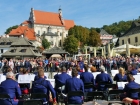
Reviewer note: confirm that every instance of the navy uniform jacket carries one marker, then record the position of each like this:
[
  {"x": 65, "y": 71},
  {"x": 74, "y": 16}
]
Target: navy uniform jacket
[
  {"x": 74, "y": 84},
  {"x": 131, "y": 85},
  {"x": 103, "y": 77},
  {"x": 43, "y": 86},
  {"x": 133, "y": 72},
  {"x": 87, "y": 77},
  {"x": 36, "y": 77},
  {"x": 60, "y": 79},
  {"x": 11, "y": 87},
  {"x": 118, "y": 77}
]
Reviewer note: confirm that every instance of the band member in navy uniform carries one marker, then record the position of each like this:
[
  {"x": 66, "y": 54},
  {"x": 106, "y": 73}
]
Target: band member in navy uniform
[{"x": 12, "y": 88}]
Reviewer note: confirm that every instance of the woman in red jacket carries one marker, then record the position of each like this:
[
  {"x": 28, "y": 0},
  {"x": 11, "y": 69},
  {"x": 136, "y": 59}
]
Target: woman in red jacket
[{"x": 132, "y": 101}]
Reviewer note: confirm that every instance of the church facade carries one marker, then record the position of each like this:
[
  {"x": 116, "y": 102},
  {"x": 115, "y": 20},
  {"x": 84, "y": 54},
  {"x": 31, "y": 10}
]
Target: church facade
[{"x": 49, "y": 25}]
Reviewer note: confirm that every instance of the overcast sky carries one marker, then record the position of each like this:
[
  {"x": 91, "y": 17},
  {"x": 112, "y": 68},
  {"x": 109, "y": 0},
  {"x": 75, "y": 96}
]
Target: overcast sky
[{"x": 88, "y": 13}]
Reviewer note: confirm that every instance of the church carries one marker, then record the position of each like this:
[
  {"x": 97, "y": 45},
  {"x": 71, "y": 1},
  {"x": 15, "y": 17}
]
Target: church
[{"x": 49, "y": 25}]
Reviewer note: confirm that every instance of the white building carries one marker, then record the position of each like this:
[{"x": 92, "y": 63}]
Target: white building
[
  {"x": 50, "y": 25},
  {"x": 105, "y": 37}
]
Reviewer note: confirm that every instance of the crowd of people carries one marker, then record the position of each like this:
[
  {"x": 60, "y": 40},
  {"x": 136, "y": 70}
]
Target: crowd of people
[{"x": 69, "y": 70}]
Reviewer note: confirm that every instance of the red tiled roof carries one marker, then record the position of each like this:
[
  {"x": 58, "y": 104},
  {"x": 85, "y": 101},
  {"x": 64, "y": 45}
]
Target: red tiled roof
[
  {"x": 26, "y": 22},
  {"x": 69, "y": 24},
  {"x": 23, "y": 30},
  {"x": 50, "y": 18}
]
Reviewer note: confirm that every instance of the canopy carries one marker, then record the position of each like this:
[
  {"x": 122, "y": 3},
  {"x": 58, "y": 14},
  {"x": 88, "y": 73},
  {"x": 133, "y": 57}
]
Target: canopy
[
  {"x": 124, "y": 47},
  {"x": 56, "y": 56}
]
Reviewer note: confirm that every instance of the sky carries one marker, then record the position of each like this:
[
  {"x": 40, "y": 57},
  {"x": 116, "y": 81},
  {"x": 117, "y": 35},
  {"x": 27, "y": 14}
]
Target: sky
[{"x": 87, "y": 13}]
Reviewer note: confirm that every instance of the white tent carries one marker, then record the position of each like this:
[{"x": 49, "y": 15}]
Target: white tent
[{"x": 124, "y": 47}]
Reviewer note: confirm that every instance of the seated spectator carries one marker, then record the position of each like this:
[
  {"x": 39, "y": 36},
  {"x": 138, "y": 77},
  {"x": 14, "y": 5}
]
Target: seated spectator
[
  {"x": 120, "y": 76},
  {"x": 131, "y": 85},
  {"x": 8, "y": 70},
  {"x": 25, "y": 87},
  {"x": 87, "y": 77},
  {"x": 10, "y": 87},
  {"x": 40, "y": 85},
  {"x": 133, "y": 70},
  {"x": 20, "y": 73},
  {"x": 74, "y": 84},
  {"x": 103, "y": 77}
]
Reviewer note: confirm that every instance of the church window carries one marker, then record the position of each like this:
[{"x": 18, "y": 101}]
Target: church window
[
  {"x": 122, "y": 42},
  {"x": 129, "y": 40},
  {"x": 38, "y": 32},
  {"x": 49, "y": 29},
  {"x": 60, "y": 34},
  {"x": 136, "y": 39}
]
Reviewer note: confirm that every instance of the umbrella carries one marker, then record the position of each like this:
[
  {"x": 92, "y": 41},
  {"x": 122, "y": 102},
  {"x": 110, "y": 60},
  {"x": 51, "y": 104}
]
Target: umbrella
[
  {"x": 124, "y": 47},
  {"x": 127, "y": 49}
]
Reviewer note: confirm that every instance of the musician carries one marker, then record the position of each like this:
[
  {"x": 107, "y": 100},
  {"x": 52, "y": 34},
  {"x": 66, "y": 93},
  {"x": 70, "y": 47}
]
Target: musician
[
  {"x": 10, "y": 87},
  {"x": 40, "y": 85}
]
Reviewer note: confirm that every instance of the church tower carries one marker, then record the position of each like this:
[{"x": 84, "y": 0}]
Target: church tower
[{"x": 60, "y": 16}]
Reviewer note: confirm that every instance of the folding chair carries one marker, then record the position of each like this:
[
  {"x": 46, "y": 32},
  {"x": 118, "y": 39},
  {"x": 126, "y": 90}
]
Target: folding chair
[
  {"x": 33, "y": 102},
  {"x": 87, "y": 86},
  {"x": 114, "y": 96},
  {"x": 74, "y": 93},
  {"x": 135, "y": 91},
  {"x": 96, "y": 95},
  {"x": 38, "y": 96},
  {"x": 59, "y": 95},
  {"x": 5, "y": 96}
]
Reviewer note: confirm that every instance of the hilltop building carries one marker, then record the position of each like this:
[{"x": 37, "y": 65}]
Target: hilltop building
[
  {"x": 132, "y": 35},
  {"x": 105, "y": 37},
  {"x": 49, "y": 25}
]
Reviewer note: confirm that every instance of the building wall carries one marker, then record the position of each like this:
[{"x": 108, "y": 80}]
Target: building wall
[
  {"x": 61, "y": 31},
  {"x": 131, "y": 38},
  {"x": 4, "y": 50}
]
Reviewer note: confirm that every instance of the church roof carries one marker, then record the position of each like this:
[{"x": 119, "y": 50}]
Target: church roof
[
  {"x": 134, "y": 29},
  {"x": 55, "y": 50},
  {"x": 103, "y": 32},
  {"x": 50, "y": 18},
  {"x": 25, "y": 31}
]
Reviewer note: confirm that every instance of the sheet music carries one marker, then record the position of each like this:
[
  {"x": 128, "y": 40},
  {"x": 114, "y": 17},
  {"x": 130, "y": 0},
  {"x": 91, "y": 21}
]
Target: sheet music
[
  {"x": 52, "y": 81},
  {"x": 2, "y": 78},
  {"x": 137, "y": 78},
  {"x": 114, "y": 72},
  {"x": 46, "y": 74},
  {"x": 26, "y": 78},
  {"x": 121, "y": 85}
]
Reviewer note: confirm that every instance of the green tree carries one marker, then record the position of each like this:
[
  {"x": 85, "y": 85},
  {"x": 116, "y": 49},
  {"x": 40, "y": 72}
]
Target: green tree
[
  {"x": 45, "y": 43},
  {"x": 71, "y": 44},
  {"x": 10, "y": 29},
  {"x": 81, "y": 33},
  {"x": 94, "y": 38}
]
